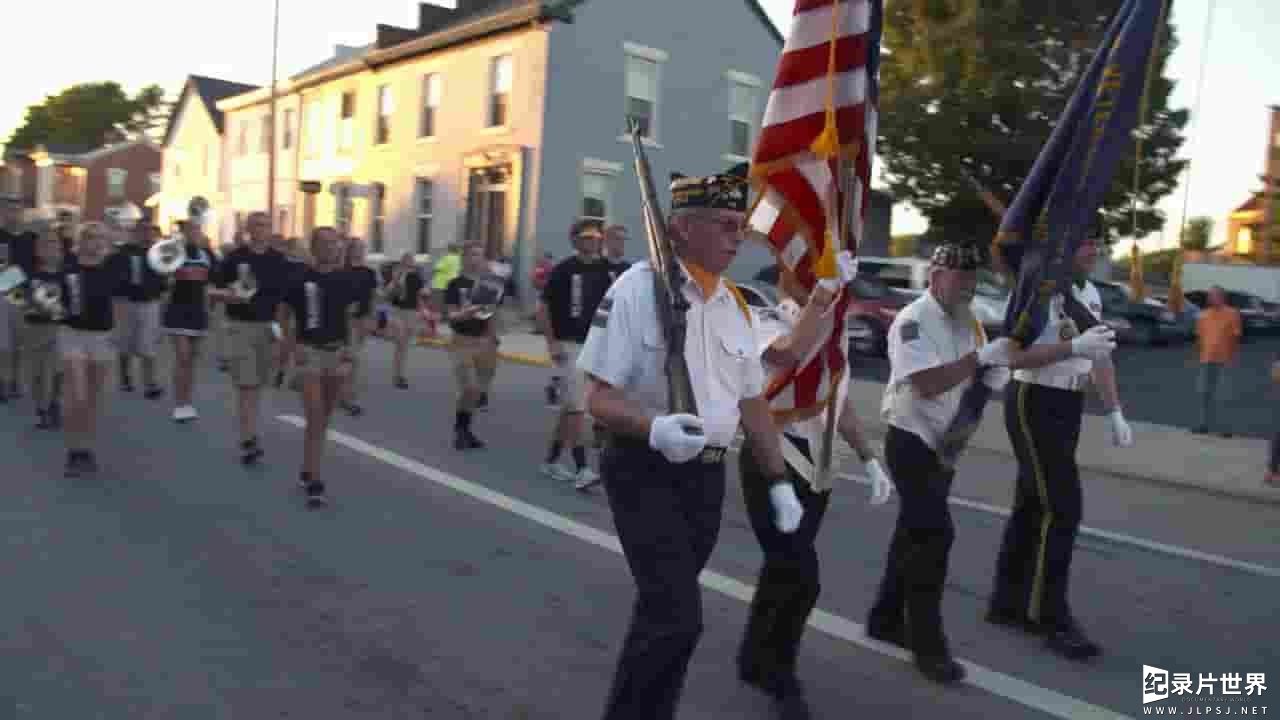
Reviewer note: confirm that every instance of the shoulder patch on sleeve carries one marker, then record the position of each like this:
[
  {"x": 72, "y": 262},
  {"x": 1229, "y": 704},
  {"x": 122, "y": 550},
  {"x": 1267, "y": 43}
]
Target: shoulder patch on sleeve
[{"x": 909, "y": 330}]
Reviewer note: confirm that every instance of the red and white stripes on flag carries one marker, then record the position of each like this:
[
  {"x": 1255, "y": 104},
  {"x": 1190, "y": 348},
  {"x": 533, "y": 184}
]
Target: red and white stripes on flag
[{"x": 801, "y": 188}]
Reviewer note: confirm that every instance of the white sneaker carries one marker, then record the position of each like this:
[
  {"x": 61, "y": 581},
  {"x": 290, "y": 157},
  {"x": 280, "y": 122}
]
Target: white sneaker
[
  {"x": 556, "y": 471},
  {"x": 586, "y": 479},
  {"x": 185, "y": 413}
]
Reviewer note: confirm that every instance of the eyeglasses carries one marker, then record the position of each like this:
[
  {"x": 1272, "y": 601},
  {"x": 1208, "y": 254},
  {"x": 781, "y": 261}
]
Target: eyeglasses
[{"x": 723, "y": 224}]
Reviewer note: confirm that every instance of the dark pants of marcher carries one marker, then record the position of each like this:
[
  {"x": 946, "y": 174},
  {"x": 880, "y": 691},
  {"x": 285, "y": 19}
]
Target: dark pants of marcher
[
  {"x": 1274, "y": 464},
  {"x": 916, "y": 569},
  {"x": 1210, "y": 381},
  {"x": 789, "y": 583},
  {"x": 667, "y": 517},
  {"x": 1040, "y": 537}
]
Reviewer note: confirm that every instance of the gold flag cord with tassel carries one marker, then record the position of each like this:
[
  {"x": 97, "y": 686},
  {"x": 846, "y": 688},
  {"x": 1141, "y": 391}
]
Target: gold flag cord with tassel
[{"x": 1136, "y": 284}]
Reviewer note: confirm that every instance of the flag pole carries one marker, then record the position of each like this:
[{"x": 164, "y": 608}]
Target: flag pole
[{"x": 271, "y": 136}]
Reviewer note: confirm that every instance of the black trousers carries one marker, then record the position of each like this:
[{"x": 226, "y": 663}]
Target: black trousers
[
  {"x": 668, "y": 519},
  {"x": 788, "y": 587},
  {"x": 916, "y": 568},
  {"x": 1040, "y": 537}
]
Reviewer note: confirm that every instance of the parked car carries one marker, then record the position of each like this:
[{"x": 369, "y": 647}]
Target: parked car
[
  {"x": 911, "y": 275},
  {"x": 1254, "y": 313},
  {"x": 1143, "y": 323},
  {"x": 873, "y": 307}
]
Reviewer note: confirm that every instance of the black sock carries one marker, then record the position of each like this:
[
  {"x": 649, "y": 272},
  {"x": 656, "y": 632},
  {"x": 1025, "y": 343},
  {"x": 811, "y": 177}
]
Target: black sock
[
  {"x": 304, "y": 477},
  {"x": 462, "y": 421},
  {"x": 554, "y": 453},
  {"x": 580, "y": 457}
]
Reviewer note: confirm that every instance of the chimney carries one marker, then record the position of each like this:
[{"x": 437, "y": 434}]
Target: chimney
[{"x": 431, "y": 17}]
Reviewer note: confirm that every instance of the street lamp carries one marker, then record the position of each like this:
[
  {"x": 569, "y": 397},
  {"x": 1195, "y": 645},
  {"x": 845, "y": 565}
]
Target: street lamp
[{"x": 271, "y": 150}]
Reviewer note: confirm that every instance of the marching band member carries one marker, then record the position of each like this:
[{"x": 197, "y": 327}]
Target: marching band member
[
  {"x": 365, "y": 280},
  {"x": 1043, "y": 407},
  {"x": 935, "y": 350},
  {"x": 474, "y": 348},
  {"x": 317, "y": 329},
  {"x": 89, "y": 284},
  {"x": 788, "y": 585},
  {"x": 139, "y": 298},
  {"x": 187, "y": 317},
  {"x": 43, "y": 359},
  {"x": 404, "y": 291},
  {"x": 16, "y": 248},
  {"x": 664, "y": 474},
  {"x": 251, "y": 280},
  {"x": 569, "y": 301}
]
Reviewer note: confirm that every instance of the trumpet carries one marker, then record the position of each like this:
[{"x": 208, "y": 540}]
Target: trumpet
[
  {"x": 166, "y": 256},
  {"x": 245, "y": 286},
  {"x": 487, "y": 295},
  {"x": 12, "y": 279}
]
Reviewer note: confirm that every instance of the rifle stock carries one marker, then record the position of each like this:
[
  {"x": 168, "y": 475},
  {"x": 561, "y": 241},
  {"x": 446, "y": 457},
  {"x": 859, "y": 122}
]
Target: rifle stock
[{"x": 670, "y": 302}]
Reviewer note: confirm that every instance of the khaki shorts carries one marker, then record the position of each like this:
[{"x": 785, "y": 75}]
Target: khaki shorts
[
  {"x": 407, "y": 319},
  {"x": 574, "y": 390},
  {"x": 139, "y": 333},
  {"x": 317, "y": 361},
  {"x": 248, "y": 350},
  {"x": 43, "y": 360},
  {"x": 475, "y": 361},
  {"x": 97, "y": 346}
]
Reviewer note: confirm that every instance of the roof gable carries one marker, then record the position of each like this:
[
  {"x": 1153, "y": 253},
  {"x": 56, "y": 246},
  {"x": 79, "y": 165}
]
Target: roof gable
[
  {"x": 764, "y": 18},
  {"x": 209, "y": 91}
]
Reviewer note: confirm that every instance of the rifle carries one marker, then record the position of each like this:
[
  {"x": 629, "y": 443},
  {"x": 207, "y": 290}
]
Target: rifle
[{"x": 670, "y": 302}]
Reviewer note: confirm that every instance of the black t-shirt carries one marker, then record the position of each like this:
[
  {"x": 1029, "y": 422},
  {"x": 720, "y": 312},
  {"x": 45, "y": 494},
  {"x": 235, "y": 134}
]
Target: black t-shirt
[
  {"x": 87, "y": 294},
  {"x": 273, "y": 274},
  {"x": 459, "y": 293},
  {"x": 321, "y": 304},
  {"x": 141, "y": 284},
  {"x": 412, "y": 286},
  {"x": 36, "y": 280},
  {"x": 365, "y": 281},
  {"x": 572, "y": 293},
  {"x": 617, "y": 267},
  {"x": 18, "y": 249}
]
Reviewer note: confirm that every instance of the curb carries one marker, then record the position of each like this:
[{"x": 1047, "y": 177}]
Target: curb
[{"x": 874, "y": 425}]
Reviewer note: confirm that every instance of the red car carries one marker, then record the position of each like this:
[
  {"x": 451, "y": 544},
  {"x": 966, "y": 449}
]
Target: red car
[{"x": 873, "y": 309}]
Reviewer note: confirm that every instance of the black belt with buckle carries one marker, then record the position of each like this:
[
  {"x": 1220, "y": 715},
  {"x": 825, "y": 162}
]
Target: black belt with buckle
[{"x": 711, "y": 455}]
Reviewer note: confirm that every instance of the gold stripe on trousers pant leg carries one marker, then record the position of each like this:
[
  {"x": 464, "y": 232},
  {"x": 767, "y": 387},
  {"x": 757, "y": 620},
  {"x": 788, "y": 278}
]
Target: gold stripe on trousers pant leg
[{"x": 1037, "y": 583}]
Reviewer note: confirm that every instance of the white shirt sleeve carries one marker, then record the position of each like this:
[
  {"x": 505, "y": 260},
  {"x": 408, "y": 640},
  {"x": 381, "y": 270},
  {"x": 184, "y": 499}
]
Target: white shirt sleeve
[
  {"x": 910, "y": 349},
  {"x": 611, "y": 349},
  {"x": 754, "y": 376}
]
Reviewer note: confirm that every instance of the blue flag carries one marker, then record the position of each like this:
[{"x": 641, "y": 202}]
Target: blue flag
[{"x": 1058, "y": 202}]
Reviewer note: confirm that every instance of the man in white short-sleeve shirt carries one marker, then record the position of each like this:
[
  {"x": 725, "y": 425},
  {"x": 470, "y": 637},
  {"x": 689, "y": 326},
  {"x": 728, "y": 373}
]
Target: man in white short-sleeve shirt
[{"x": 664, "y": 474}]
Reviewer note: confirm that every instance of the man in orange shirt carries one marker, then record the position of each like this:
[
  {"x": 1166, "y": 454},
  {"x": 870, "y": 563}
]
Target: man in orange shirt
[{"x": 1219, "y": 331}]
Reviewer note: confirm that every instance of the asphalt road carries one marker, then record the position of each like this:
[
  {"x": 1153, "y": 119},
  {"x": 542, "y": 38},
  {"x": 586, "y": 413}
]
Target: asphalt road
[
  {"x": 1158, "y": 385},
  {"x": 179, "y": 585}
]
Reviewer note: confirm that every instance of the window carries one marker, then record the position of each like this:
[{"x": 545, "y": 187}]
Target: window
[
  {"x": 386, "y": 107},
  {"x": 315, "y": 126},
  {"x": 499, "y": 90},
  {"x": 431, "y": 89},
  {"x": 286, "y": 141},
  {"x": 425, "y": 191},
  {"x": 347, "y": 121},
  {"x": 115, "y": 182},
  {"x": 282, "y": 213},
  {"x": 743, "y": 101},
  {"x": 642, "y": 71},
  {"x": 265, "y": 134},
  {"x": 596, "y": 191},
  {"x": 377, "y": 216},
  {"x": 157, "y": 180}
]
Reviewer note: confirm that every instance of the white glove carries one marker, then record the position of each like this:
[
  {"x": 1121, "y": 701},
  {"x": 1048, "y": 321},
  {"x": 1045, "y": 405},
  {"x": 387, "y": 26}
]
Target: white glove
[
  {"x": 847, "y": 266},
  {"x": 995, "y": 352},
  {"x": 1097, "y": 342},
  {"x": 787, "y": 510},
  {"x": 881, "y": 487},
  {"x": 1121, "y": 433},
  {"x": 669, "y": 435},
  {"x": 276, "y": 331}
]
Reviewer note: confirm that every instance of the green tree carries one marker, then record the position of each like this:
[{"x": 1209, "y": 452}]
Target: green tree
[
  {"x": 1197, "y": 233},
  {"x": 979, "y": 85},
  {"x": 903, "y": 245},
  {"x": 91, "y": 114}
]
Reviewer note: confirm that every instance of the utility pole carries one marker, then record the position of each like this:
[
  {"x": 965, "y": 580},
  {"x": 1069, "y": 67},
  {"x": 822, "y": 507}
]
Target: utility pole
[{"x": 271, "y": 150}]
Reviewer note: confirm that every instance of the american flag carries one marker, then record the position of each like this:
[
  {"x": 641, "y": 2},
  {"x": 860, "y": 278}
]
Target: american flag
[{"x": 826, "y": 87}]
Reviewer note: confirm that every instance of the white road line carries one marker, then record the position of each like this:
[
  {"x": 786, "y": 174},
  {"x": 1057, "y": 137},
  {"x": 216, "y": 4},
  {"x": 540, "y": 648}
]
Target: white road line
[
  {"x": 1033, "y": 696},
  {"x": 1153, "y": 546}
]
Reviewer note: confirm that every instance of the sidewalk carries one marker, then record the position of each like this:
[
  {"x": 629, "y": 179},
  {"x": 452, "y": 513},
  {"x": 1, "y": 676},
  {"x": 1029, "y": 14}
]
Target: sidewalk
[{"x": 1161, "y": 453}]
